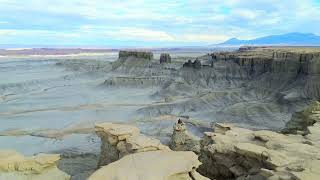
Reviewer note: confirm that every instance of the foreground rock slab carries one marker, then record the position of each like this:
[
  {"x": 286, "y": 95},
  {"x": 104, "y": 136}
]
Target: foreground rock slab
[
  {"x": 118, "y": 140},
  {"x": 236, "y": 153},
  {"x": 14, "y": 166},
  {"x": 152, "y": 165}
]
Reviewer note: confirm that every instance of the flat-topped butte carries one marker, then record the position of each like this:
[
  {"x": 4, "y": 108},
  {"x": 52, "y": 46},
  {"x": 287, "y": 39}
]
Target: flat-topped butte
[{"x": 136, "y": 54}]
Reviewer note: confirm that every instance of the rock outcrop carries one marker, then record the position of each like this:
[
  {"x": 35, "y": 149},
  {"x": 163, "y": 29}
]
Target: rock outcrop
[
  {"x": 14, "y": 166},
  {"x": 118, "y": 140},
  {"x": 129, "y": 61},
  {"x": 165, "y": 58},
  {"x": 236, "y": 153},
  {"x": 182, "y": 140},
  {"x": 196, "y": 64},
  {"x": 301, "y": 120},
  {"x": 136, "y": 54},
  {"x": 152, "y": 165}
]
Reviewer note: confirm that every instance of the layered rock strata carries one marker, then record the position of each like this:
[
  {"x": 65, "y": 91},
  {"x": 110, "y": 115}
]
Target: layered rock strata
[
  {"x": 141, "y": 81},
  {"x": 14, "y": 166},
  {"x": 152, "y": 165},
  {"x": 236, "y": 153},
  {"x": 268, "y": 59},
  {"x": 118, "y": 140},
  {"x": 136, "y": 54}
]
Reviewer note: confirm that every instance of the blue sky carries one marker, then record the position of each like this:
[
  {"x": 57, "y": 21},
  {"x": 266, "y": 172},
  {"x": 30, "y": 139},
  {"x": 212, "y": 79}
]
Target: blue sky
[{"x": 156, "y": 23}]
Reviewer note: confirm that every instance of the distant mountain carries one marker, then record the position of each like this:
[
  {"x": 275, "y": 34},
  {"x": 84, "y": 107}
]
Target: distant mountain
[{"x": 293, "y": 39}]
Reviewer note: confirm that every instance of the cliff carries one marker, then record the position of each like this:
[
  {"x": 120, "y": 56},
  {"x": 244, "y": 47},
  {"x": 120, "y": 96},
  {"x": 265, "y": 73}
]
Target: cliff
[
  {"x": 128, "y": 154},
  {"x": 118, "y": 140},
  {"x": 136, "y": 54}
]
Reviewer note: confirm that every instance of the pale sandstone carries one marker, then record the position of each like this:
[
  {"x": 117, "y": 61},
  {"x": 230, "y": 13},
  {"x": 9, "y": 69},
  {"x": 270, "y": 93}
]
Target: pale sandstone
[
  {"x": 14, "y": 166},
  {"x": 231, "y": 153},
  {"x": 118, "y": 140},
  {"x": 152, "y": 165}
]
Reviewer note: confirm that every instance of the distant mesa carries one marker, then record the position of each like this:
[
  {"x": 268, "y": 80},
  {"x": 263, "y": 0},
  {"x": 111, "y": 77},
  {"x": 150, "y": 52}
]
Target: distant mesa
[
  {"x": 136, "y": 54},
  {"x": 165, "y": 58},
  {"x": 290, "y": 39}
]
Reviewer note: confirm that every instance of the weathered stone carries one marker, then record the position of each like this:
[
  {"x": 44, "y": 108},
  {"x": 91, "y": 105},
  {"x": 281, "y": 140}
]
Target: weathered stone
[
  {"x": 118, "y": 140},
  {"x": 136, "y": 54},
  {"x": 155, "y": 165},
  {"x": 302, "y": 119},
  {"x": 259, "y": 154},
  {"x": 182, "y": 140},
  {"x": 42, "y": 166}
]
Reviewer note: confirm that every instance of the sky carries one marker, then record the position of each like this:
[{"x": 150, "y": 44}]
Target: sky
[{"x": 152, "y": 23}]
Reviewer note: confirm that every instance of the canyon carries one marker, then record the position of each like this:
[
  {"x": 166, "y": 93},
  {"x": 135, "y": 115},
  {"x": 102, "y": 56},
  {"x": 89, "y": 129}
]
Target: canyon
[{"x": 252, "y": 113}]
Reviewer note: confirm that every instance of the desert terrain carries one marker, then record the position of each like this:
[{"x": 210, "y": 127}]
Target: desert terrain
[{"x": 52, "y": 104}]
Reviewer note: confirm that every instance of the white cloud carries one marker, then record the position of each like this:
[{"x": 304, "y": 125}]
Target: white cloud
[
  {"x": 36, "y": 33},
  {"x": 246, "y": 13},
  {"x": 206, "y": 38},
  {"x": 203, "y": 21},
  {"x": 130, "y": 33}
]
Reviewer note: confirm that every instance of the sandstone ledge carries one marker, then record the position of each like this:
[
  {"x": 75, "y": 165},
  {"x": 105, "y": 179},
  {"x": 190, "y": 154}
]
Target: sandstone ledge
[
  {"x": 118, "y": 140},
  {"x": 15, "y": 166},
  {"x": 236, "y": 153},
  {"x": 152, "y": 165}
]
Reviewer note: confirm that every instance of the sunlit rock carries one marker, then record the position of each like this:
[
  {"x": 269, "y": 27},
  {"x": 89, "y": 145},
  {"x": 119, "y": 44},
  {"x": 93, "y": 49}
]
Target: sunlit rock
[
  {"x": 118, "y": 140},
  {"x": 152, "y": 165},
  {"x": 236, "y": 153},
  {"x": 14, "y": 166}
]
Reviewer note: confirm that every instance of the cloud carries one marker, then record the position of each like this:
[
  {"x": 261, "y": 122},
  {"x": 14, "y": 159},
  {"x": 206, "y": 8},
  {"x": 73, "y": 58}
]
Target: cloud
[
  {"x": 129, "y": 33},
  {"x": 185, "y": 22},
  {"x": 206, "y": 38}
]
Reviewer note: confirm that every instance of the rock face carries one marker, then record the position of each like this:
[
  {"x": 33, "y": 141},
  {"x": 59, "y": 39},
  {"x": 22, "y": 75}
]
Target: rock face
[
  {"x": 136, "y": 54},
  {"x": 301, "y": 120},
  {"x": 14, "y": 166},
  {"x": 118, "y": 140},
  {"x": 237, "y": 153},
  {"x": 152, "y": 165},
  {"x": 130, "y": 60},
  {"x": 182, "y": 140},
  {"x": 165, "y": 58}
]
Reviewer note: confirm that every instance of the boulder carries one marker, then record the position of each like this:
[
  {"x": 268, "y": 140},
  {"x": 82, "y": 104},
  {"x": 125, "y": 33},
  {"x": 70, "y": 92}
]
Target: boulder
[
  {"x": 165, "y": 58},
  {"x": 152, "y": 165},
  {"x": 15, "y": 166},
  {"x": 118, "y": 140}
]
